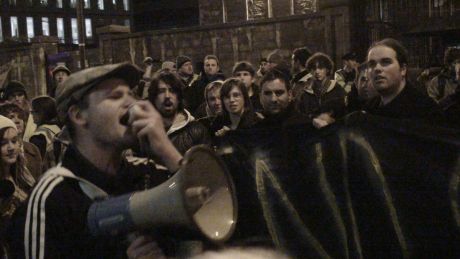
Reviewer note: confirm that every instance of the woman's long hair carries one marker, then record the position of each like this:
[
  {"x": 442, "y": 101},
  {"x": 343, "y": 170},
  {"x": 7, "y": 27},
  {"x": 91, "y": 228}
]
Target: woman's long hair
[{"x": 18, "y": 171}]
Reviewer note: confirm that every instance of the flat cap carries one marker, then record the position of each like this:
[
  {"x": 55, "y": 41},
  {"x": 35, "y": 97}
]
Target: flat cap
[
  {"x": 61, "y": 68},
  {"x": 79, "y": 84}
]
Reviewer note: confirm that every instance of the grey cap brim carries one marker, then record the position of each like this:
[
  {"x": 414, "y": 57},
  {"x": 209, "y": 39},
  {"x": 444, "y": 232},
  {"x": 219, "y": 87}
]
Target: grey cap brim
[{"x": 81, "y": 83}]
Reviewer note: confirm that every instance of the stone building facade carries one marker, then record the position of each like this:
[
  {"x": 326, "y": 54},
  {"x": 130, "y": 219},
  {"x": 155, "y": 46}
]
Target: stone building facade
[
  {"x": 426, "y": 27},
  {"x": 227, "y": 31},
  {"x": 21, "y": 20}
]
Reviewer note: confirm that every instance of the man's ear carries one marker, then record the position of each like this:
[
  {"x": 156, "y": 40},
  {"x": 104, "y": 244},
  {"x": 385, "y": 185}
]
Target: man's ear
[
  {"x": 77, "y": 116},
  {"x": 290, "y": 95},
  {"x": 404, "y": 70}
]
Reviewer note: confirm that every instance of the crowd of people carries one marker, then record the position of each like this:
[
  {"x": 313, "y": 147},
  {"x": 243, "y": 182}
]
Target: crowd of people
[{"x": 78, "y": 128}]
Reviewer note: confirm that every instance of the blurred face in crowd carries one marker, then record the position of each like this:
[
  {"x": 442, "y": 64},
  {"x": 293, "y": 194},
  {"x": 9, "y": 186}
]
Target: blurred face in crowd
[
  {"x": 271, "y": 65},
  {"x": 365, "y": 88},
  {"x": 245, "y": 77},
  {"x": 234, "y": 102},
  {"x": 274, "y": 97},
  {"x": 211, "y": 67},
  {"x": 214, "y": 102},
  {"x": 264, "y": 66},
  {"x": 457, "y": 69},
  {"x": 166, "y": 100},
  {"x": 295, "y": 65},
  {"x": 386, "y": 74},
  {"x": 15, "y": 117},
  {"x": 10, "y": 146},
  {"x": 107, "y": 104},
  {"x": 186, "y": 69},
  {"x": 169, "y": 66},
  {"x": 349, "y": 65},
  {"x": 319, "y": 72},
  {"x": 18, "y": 98},
  {"x": 60, "y": 77}
]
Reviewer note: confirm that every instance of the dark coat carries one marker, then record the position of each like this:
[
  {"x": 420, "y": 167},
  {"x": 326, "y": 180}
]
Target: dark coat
[
  {"x": 194, "y": 95},
  {"x": 285, "y": 119},
  {"x": 409, "y": 104},
  {"x": 33, "y": 159},
  {"x": 333, "y": 100},
  {"x": 194, "y": 133},
  {"x": 248, "y": 119}
]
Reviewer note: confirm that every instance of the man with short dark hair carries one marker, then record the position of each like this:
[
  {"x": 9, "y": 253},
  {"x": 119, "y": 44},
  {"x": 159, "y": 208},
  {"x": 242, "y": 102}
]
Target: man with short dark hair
[
  {"x": 346, "y": 75},
  {"x": 92, "y": 103},
  {"x": 246, "y": 72},
  {"x": 194, "y": 95},
  {"x": 298, "y": 64},
  {"x": 277, "y": 102},
  {"x": 387, "y": 61},
  {"x": 165, "y": 93}
]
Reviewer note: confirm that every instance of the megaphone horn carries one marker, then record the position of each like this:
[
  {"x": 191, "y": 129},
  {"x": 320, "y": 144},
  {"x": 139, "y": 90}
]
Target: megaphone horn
[{"x": 200, "y": 196}]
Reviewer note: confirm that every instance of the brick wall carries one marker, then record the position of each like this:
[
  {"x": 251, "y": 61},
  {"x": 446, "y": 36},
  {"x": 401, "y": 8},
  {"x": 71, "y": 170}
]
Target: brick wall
[{"x": 326, "y": 31}]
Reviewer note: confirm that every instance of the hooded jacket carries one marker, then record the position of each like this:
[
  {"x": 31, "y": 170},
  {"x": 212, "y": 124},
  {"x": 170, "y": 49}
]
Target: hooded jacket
[
  {"x": 332, "y": 100},
  {"x": 186, "y": 132}
]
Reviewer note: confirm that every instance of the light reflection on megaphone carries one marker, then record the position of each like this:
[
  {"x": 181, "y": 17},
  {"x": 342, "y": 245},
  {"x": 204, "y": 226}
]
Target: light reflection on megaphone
[{"x": 200, "y": 197}]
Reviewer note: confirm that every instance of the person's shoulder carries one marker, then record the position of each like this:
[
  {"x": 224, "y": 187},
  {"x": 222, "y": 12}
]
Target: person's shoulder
[
  {"x": 31, "y": 149},
  {"x": 58, "y": 192}
]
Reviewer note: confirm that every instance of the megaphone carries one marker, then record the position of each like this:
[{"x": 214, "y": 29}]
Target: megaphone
[{"x": 200, "y": 196}]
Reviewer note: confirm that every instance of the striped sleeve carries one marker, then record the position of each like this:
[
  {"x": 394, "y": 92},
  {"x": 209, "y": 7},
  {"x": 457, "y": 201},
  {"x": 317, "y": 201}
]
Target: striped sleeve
[{"x": 35, "y": 224}]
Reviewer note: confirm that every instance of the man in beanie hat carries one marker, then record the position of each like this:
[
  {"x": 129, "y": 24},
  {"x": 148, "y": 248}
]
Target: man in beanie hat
[
  {"x": 15, "y": 92},
  {"x": 185, "y": 70},
  {"x": 246, "y": 73},
  {"x": 92, "y": 103}
]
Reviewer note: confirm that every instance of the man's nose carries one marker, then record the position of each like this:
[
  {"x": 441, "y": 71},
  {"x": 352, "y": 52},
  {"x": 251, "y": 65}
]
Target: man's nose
[{"x": 10, "y": 146}]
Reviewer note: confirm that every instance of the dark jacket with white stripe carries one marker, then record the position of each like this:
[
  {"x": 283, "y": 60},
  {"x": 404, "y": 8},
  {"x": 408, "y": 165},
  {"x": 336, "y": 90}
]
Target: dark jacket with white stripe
[{"x": 58, "y": 211}]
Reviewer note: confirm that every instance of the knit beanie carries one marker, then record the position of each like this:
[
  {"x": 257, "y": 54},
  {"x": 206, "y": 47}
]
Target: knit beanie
[
  {"x": 14, "y": 86},
  {"x": 6, "y": 123},
  {"x": 180, "y": 60}
]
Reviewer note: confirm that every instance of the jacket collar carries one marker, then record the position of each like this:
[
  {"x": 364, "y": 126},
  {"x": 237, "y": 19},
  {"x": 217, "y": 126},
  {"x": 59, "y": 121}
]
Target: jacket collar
[
  {"x": 179, "y": 124},
  {"x": 309, "y": 87}
]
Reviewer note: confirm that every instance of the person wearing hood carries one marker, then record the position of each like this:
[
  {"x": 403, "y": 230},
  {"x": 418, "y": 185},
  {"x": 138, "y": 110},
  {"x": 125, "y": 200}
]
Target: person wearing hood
[
  {"x": 322, "y": 99},
  {"x": 165, "y": 93}
]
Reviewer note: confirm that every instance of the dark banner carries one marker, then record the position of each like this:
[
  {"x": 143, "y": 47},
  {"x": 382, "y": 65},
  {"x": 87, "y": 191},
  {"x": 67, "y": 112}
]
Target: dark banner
[{"x": 366, "y": 187}]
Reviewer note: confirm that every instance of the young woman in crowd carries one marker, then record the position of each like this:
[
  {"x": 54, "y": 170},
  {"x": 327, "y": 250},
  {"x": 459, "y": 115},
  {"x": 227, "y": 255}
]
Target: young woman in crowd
[
  {"x": 45, "y": 116},
  {"x": 237, "y": 111},
  {"x": 16, "y": 180},
  {"x": 32, "y": 156}
]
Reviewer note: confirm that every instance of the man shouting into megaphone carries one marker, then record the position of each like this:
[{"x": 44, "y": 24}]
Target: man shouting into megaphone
[{"x": 91, "y": 104}]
